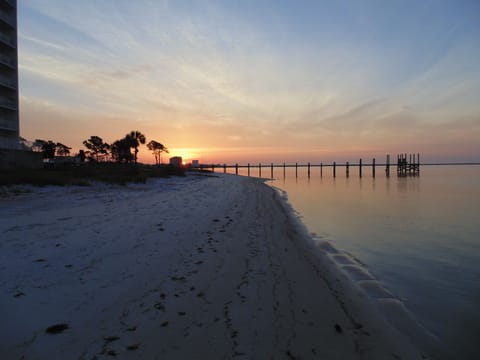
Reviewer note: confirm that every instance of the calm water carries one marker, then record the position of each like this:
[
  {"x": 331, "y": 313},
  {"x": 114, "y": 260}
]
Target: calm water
[{"x": 420, "y": 236}]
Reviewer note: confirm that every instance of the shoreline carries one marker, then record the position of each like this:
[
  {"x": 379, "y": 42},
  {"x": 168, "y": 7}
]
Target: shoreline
[
  {"x": 210, "y": 267},
  {"x": 363, "y": 285}
]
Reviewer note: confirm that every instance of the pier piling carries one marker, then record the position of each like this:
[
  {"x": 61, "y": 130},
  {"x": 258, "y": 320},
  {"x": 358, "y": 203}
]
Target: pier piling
[
  {"x": 387, "y": 167},
  {"x": 410, "y": 167},
  {"x": 407, "y": 165}
]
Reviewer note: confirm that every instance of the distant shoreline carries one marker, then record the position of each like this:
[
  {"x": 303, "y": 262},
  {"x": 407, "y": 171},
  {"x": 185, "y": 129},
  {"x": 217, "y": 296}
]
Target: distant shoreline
[{"x": 450, "y": 164}]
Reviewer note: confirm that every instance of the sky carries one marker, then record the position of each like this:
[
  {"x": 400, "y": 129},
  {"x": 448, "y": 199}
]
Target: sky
[{"x": 255, "y": 81}]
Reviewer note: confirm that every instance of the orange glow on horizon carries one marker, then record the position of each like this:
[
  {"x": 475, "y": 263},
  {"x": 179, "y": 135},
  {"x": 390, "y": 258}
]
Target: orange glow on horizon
[{"x": 187, "y": 154}]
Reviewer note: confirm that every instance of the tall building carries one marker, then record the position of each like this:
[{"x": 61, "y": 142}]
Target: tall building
[{"x": 9, "y": 120}]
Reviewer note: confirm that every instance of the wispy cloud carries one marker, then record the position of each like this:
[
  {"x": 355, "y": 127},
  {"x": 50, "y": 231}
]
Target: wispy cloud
[{"x": 255, "y": 73}]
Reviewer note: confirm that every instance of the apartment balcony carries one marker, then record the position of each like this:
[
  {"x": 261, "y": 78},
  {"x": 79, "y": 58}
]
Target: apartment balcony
[
  {"x": 8, "y": 18},
  {"x": 8, "y": 82},
  {"x": 12, "y": 3},
  {"x": 8, "y": 125},
  {"x": 9, "y": 40},
  {"x": 7, "y": 103},
  {"x": 8, "y": 61}
]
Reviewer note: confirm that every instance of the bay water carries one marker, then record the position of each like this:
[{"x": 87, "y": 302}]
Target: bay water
[{"x": 418, "y": 235}]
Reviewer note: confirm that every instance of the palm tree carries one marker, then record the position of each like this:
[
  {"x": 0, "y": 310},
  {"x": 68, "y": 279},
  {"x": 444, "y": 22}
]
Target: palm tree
[
  {"x": 135, "y": 138},
  {"x": 120, "y": 150}
]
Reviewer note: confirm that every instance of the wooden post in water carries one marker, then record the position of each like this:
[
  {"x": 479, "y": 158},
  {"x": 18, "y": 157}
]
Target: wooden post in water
[
  {"x": 360, "y": 168},
  {"x": 213, "y": 168},
  {"x": 418, "y": 163},
  {"x": 248, "y": 169},
  {"x": 309, "y": 170},
  {"x": 296, "y": 170},
  {"x": 373, "y": 167},
  {"x": 236, "y": 169},
  {"x": 321, "y": 169},
  {"x": 387, "y": 168},
  {"x": 271, "y": 171},
  {"x": 259, "y": 169},
  {"x": 334, "y": 169},
  {"x": 224, "y": 168},
  {"x": 347, "y": 169}
]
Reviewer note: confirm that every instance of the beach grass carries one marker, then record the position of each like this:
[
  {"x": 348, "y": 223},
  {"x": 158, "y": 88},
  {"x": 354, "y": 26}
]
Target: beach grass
[{"x": 84, "y": 174}]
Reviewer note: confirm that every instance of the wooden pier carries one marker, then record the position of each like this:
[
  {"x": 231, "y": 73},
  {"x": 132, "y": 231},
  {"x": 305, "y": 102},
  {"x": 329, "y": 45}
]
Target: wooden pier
[{"x": 405, "y": 167}]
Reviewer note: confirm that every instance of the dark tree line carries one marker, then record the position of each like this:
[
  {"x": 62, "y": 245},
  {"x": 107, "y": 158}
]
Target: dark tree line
[
  {"x": 50, "y": 148},
  {"x": 124, "y": 150}
]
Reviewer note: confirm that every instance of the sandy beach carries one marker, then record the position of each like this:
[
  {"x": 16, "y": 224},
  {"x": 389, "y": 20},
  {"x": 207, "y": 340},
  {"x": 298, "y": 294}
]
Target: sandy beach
[{"x": 184, "y": 268}]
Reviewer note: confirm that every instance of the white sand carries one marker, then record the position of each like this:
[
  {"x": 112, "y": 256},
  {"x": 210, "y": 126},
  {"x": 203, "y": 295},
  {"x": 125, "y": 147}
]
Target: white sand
[{"x": 193, "y": 268}]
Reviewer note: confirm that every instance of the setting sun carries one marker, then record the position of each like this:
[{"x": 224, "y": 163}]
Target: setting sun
[{"x": 187, "y": 154}]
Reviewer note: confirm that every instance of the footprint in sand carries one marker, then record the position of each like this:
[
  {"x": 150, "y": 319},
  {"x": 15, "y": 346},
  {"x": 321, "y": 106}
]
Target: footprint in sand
[
  {"x": 159, "y": 306},
  {"x": 57, "y": 328},
  {"x": 177, "y": 278},
  {"x": 133, "y": 346},
  {"x": 109, "y": 339}
]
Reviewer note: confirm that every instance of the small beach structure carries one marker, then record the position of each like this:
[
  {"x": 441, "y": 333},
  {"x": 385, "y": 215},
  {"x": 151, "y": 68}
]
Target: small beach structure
[{"x": 176, "y": 161}]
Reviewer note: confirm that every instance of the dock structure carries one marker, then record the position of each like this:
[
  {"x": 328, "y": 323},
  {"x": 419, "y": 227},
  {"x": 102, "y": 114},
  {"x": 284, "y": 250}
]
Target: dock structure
[{"x": 406, "y": 166}]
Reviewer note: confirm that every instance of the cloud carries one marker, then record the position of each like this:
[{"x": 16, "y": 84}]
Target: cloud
[{"x": 216, "y": 72}]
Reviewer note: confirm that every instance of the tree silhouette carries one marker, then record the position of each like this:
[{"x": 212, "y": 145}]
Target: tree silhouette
[
  {"x": 134, "y": 139},
  {"x": 81, "y": 155},
  {"x": 96, "y": 147},
  {"x": 157, "y": 149},
  {"x": 120, "y": 150},
  {"x": 50, "y": 148},
  {"x": 62, "y": 150},
  {"x": 47, "y": 147}
]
